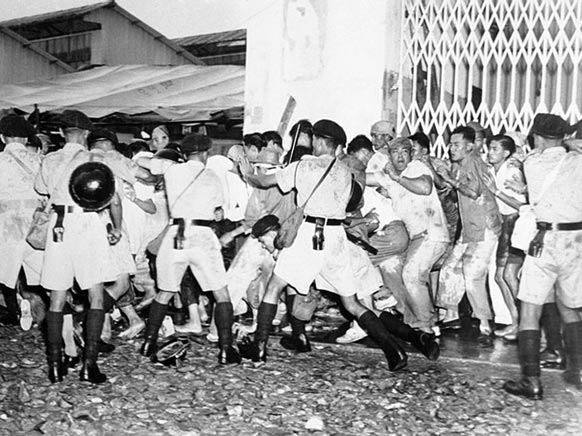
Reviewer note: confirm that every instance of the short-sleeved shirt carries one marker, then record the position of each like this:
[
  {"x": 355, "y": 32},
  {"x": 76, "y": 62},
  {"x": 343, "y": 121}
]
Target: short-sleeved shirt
[
  {"x": 509, "y": 169},
  {"x": 562, "y": 201},
  {"x": 189, "y": 198},
  {"x": 122, "y": 167},
  {"x": 482, "y": 213},
  {"x": 56, "y": 169},
  {"x": 422, "y": 214},
  {"x": 331, "y": 197},
  {"x": 16, "y": 182}
]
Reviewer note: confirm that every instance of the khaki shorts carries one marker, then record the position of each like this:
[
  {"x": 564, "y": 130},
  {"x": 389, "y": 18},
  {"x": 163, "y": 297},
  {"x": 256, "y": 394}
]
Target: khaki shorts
[
  {"x": 83, "y": 255},
  {"x": 331, "y": 268},
  {"x": 201, "y": 253},
  {"x": 560, "y": 264}
]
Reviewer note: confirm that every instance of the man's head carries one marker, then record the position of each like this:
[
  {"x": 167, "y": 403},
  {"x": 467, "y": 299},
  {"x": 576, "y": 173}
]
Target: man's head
[
  {"x": 361, "y": 148},
  {"x": 382, "y": 132},
  {"x": 266, "y": 161},
  {"x": 420, "y": 145},
  {"x": 266, "y": 230},
  {"x": 253, "y": 144},
  {"x": 195, "y": 147},
  {"x": 549, "y": 130},
  {"x": 479, "y": 137},
  {"x": 76, "y": 126},
  {"x": 102, "y": 139},
  {"x": 400, "y": 152},
  {"x": 305, "y": 135},
  {"x": 274, "y": 141},
  {"x": 327, "y": 136},
  {"x": 500, "y": 148},
  {"x": 461, "y": 143},
  {"x": 15, "y": 128}
]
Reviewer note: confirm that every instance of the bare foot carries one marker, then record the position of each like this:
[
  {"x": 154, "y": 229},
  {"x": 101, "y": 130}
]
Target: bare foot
[{"x": 133, "y": 330}]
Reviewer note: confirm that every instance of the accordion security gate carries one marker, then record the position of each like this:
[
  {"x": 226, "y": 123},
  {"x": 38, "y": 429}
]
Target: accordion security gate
[{"x": 498, "y": 62}]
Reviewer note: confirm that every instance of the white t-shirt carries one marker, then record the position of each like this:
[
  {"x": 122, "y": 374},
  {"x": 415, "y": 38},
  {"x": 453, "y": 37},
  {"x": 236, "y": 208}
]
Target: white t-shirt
[{"x": 507, "y": 171}]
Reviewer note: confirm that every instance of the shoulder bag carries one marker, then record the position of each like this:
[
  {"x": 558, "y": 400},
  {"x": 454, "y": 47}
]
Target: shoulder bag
[
  {"x": 38, "y": 232},
  {"x": 290, "y": 227}
]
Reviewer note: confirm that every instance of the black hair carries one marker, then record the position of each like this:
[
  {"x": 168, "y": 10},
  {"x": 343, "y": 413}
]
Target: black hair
[
  {"x": 271, "y": 135},
  {"x": 422, "y": 139},
  {"x": 506, "y": 142},
  {"x": 304, "y": 126},
  {"x": 467, "y": 132},
  {"x": 358, "y": 143},
  {"x": 138, "y": 146},
  {"x": 124, "y": 149},
  {"x": 255, "y": 139},
  {"x": 298, "y": 153}
]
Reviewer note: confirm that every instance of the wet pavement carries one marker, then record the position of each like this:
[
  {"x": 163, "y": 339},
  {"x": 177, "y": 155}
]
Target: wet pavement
[{"x": 335, "y": 390}]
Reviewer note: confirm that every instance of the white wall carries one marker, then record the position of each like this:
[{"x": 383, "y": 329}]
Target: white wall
[{"x": 328, "y": 55}]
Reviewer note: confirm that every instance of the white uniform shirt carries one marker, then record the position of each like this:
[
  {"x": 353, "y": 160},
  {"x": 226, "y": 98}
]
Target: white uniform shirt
[
  {"x": 189, "y": 198},
  {"x": 331, "y": 197},
  {"x": 562, "y": 201}
]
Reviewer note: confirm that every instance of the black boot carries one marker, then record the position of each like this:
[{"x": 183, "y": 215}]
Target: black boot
[
  {"x": 298, "y": 340},
  {"x": 223, "y": 316},
  {"x": 529, "y": 385},
  {"x": 422, "y": 341},
  {"x": 155, "y": 320},
  {"x": 395, "y": 355},
  {"x": 257, "y": 350},
  {"x": 11, "y": 301},
  {"x": 93, "y": 325},
  {"x": 573, "y": 342},
  {"x": 56, "y": 367}
]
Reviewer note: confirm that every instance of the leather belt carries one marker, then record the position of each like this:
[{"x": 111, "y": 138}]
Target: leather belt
[
  {"x": 323, "y": 221},
  {"x": 558, "y": 226},
  {"x": 194, "y": 222},
  {"x": 60, "y": 208}
]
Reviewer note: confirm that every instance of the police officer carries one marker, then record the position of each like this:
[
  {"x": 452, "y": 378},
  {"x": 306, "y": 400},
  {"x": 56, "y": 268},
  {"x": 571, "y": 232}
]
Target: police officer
[
  {"x": 553, "y": 261},
  {"x": 77, "y": 247},
  {"x": 194, "y": 192},
  {"x": 320, "y": 250},
  {"x": 17, "y": 204}
]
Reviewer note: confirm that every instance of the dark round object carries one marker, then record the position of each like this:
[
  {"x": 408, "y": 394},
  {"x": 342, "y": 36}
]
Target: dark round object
[
  {"x": 92, "y": 186},
  {"x": 355, "y": 197},
  {"x": 172, "y": 352}
]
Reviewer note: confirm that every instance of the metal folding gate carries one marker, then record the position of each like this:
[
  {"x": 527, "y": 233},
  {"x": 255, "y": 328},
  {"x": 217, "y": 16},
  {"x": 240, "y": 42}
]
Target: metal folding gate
[{"x": 498, "y": 62}]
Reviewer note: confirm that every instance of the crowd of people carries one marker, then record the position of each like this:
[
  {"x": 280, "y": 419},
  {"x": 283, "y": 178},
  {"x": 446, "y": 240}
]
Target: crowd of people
[{"x": 403, "y": 239}]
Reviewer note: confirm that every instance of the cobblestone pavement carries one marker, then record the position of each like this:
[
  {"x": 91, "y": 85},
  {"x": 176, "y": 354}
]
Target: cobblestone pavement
[{"x": 335, "y": 390}]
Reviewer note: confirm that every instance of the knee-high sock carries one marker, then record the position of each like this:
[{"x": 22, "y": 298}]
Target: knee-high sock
[
  {"x": 397, "y": 327},
  {"x": 297, "y": 325},
  {"x": 552, "y": 325},
  {"x": 373, "y": 326},
  {"x": 93, "y": 327},
  {"x": 223, "y": 316},
  {"x": 573, "y": 342},
  {"x": 528, "y": 347},
  {"x": 10, "y": 300},
  {"x": 54, "y": 334},
  {"x": 108, "y": 301},
  {"x": 155, "y": 320},
  {"x": 267, "y": 312}
]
